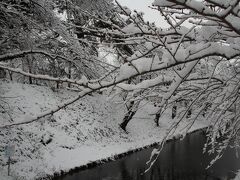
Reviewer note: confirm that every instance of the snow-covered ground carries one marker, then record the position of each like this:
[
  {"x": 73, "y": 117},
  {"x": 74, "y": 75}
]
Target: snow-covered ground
[
  {"x": 4, "y": 176},
  {"x": 238, "y": 176},
  {"x": 85, "y": 131}
]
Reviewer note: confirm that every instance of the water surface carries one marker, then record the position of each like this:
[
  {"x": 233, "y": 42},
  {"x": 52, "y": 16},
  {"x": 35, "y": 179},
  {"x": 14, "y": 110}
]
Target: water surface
[{"x": 179, "y": 160}]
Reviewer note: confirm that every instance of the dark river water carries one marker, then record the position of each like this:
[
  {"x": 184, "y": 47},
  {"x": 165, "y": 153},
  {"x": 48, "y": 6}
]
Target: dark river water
[{"x": 179, "y": 160}]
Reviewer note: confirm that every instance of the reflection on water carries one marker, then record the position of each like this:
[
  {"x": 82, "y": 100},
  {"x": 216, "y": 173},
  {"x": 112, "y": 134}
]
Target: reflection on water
[{"x": 179, "y": 160}]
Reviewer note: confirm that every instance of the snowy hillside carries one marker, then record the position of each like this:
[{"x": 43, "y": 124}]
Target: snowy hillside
[
  {"x": 85, "y": 131},
  {"x": 238, "y": 176}
]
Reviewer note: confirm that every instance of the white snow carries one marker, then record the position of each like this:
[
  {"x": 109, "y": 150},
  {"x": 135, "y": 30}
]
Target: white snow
[
  {"x": 237, "y": 176},
  {"x": 126, "y": 10},
  {"x": 85, "y": 131},
  {"x": 4, "y": 176}
]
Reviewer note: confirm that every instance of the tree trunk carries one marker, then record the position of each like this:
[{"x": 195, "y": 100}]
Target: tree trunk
[
  {"x": 2, "y": 73},
  {"x": 30, "y": 78},
  {"x": 132, "y": 109},
  {"x": 174, "y": 111},
  {"x": 69, "y": 74},
  {"x": 127, "y": 118},
  {"x": 27, "y": 66},
  {"x": 57, "y": 85},
  {"x": 156, "y": 119},
  {"x": 10, "y": 75},
  {"x": 189, "y": 113}
]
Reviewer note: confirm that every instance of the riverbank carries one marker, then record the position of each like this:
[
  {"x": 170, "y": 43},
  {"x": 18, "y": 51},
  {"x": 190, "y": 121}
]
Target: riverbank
[
  {"x": 116, "y": 157},
  {"x": 81, "y": 135}
]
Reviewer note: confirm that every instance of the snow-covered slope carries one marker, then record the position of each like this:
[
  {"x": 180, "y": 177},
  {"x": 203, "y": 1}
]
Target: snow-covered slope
[
  {"x": 237, "y": 176},
  {"x": 85, "y": 131}
]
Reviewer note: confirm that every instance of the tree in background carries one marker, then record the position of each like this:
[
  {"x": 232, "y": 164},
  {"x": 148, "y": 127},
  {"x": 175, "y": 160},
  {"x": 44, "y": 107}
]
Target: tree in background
[{"x": 56, "y": 51}]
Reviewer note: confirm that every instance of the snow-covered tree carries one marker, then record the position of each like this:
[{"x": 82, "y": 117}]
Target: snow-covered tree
[{"x": 193, "y": 61}]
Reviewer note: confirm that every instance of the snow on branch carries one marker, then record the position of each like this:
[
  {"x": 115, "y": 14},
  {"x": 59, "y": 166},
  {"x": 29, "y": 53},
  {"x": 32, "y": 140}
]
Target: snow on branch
[
  {"x": 44, "y": 77},
  {"x": 13, "y": 55}
]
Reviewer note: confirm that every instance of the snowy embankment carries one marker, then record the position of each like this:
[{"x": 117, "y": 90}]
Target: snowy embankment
[
  {"x": 238, "y": 176},
  {"x": 4, "y": 176},
  {"x": 83, "y": 132}
]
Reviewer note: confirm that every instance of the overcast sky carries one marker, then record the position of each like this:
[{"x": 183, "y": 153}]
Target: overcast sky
[{"x": 142, "y": 5}]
